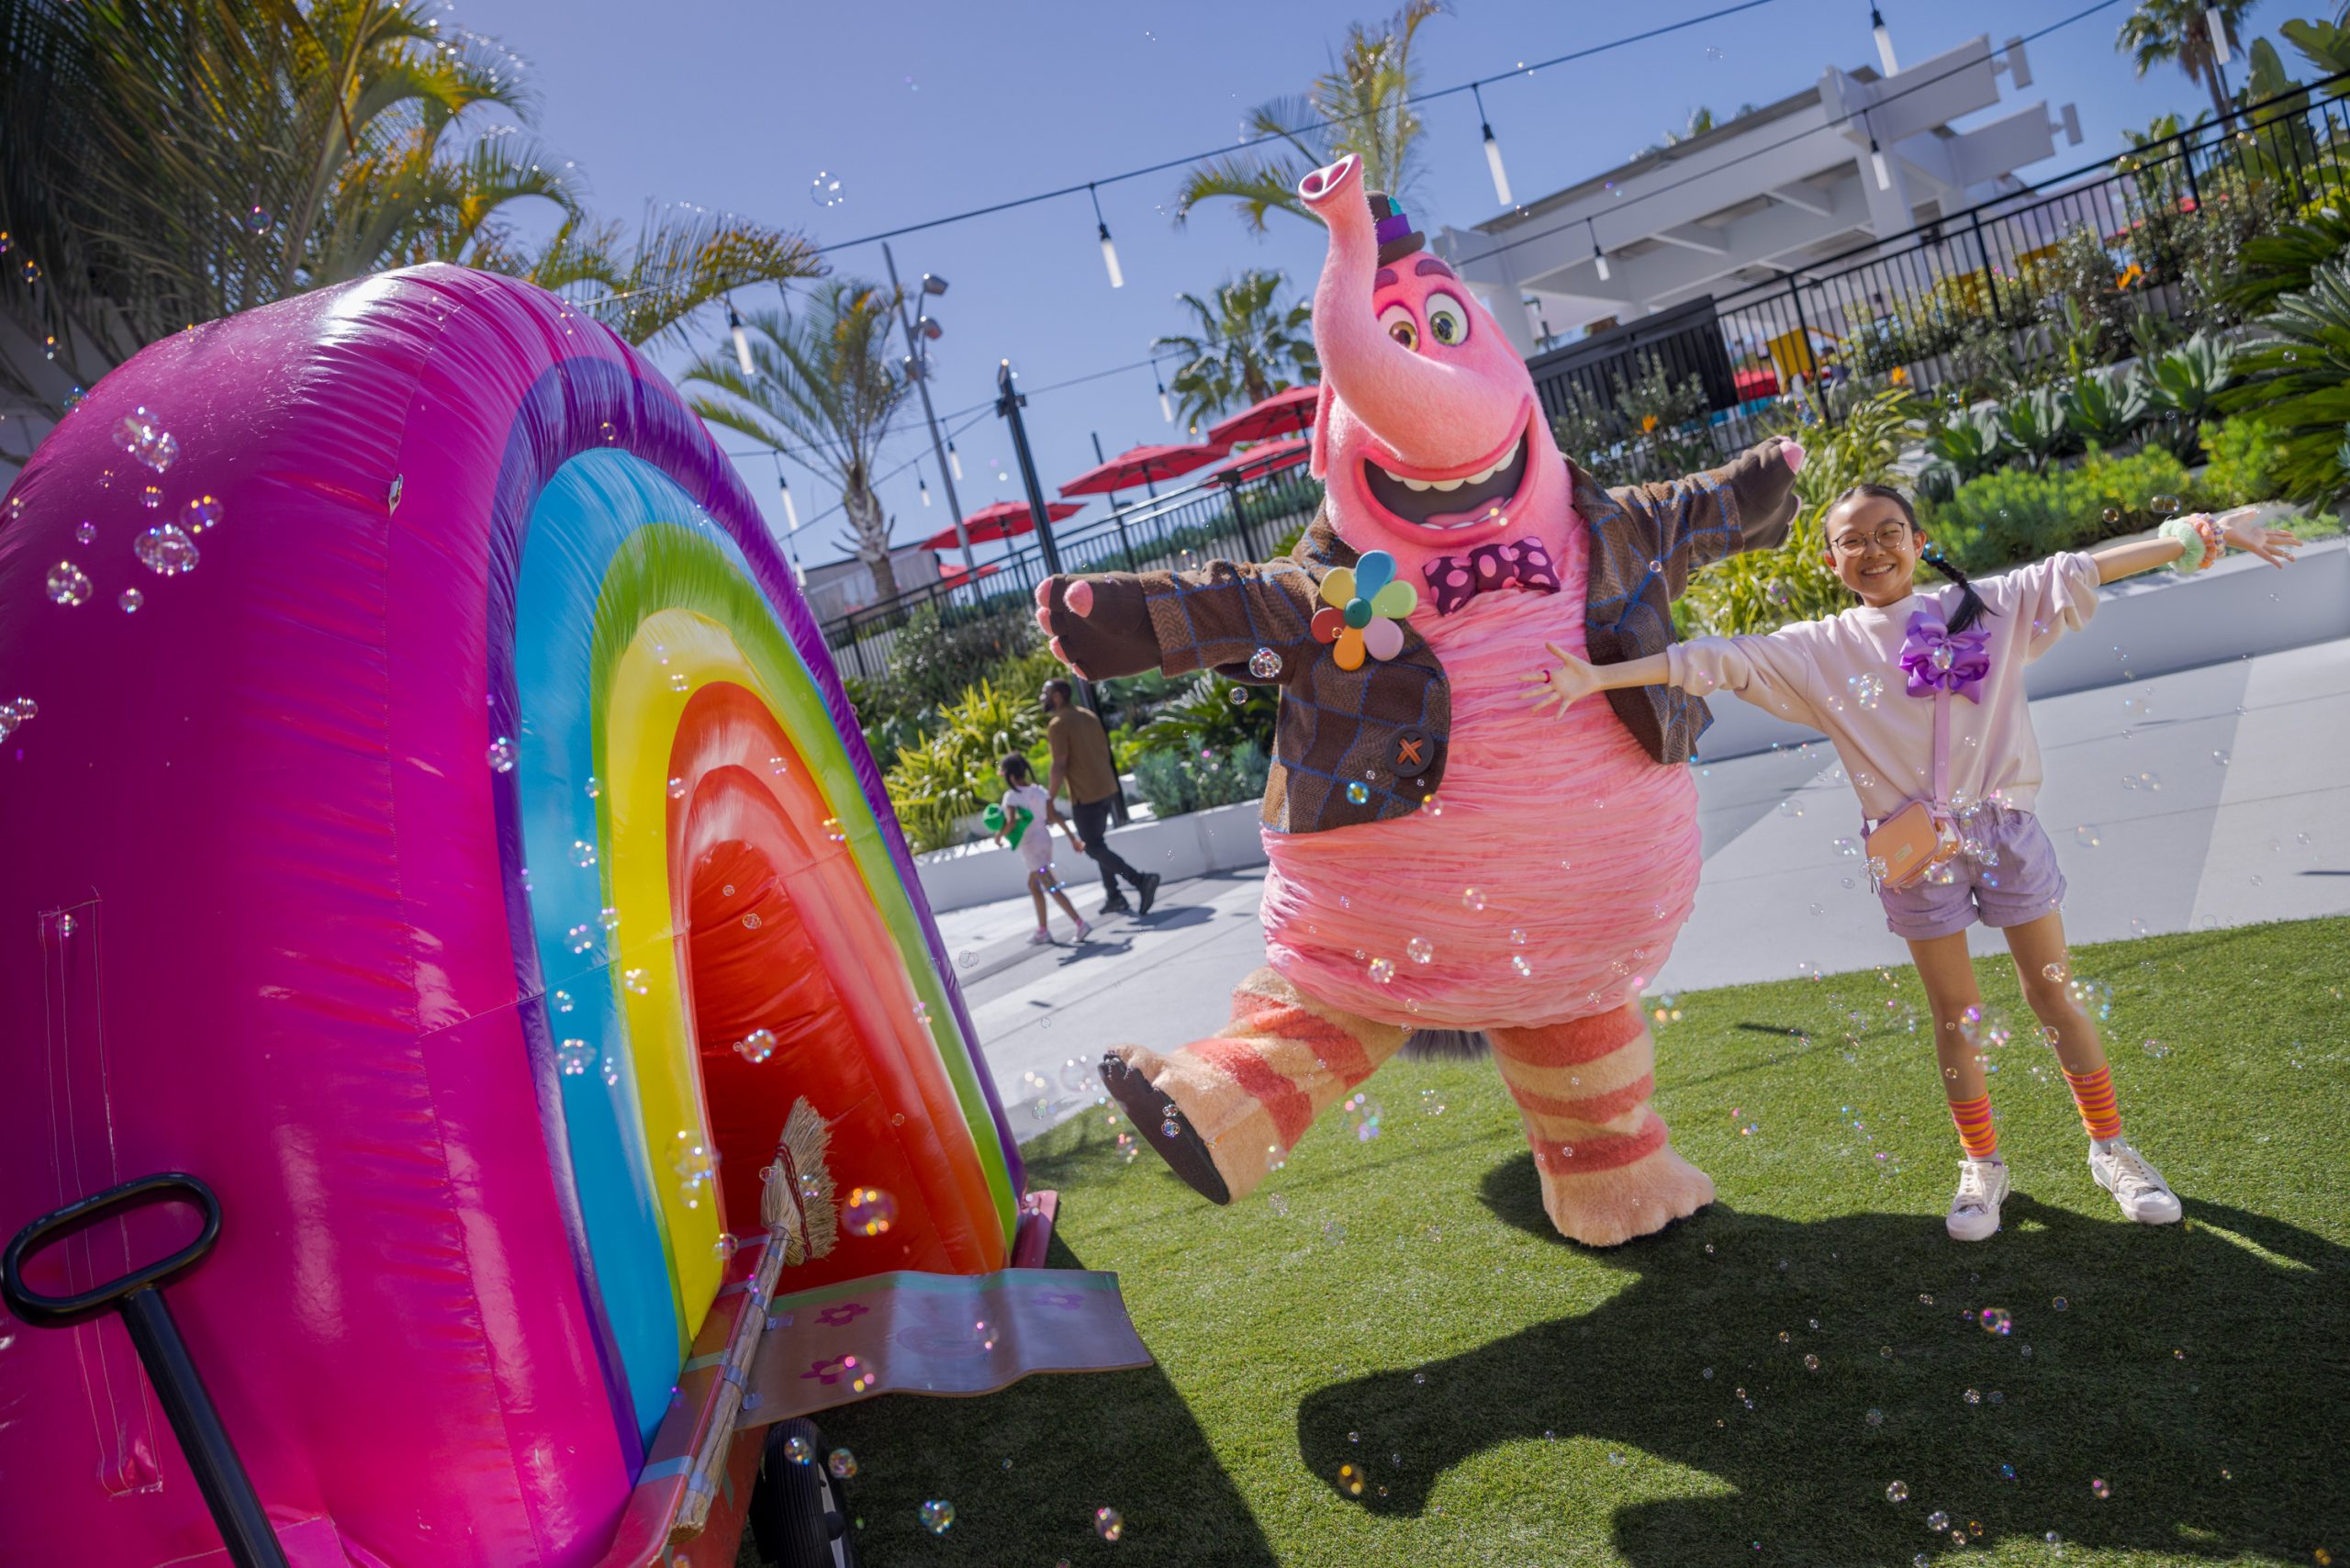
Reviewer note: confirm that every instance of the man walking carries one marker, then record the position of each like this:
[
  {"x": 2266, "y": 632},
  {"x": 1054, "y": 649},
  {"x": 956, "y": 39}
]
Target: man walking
[{"x": 1081, "y": 765}]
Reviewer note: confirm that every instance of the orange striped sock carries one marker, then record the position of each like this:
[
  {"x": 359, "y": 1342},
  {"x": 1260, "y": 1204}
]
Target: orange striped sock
[
  {"x": 1974, "y": 1129},
  {"x": 2093, "y": 1092}
]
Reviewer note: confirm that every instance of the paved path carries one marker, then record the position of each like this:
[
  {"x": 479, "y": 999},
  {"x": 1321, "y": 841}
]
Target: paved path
[{"x": 2181, "y": 842}]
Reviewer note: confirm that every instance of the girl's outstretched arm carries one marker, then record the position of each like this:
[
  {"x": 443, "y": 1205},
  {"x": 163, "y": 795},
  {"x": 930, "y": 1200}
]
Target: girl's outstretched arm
[
  {"x": 2236, "y": 528},
  {"x": 1573, "y": 678}
]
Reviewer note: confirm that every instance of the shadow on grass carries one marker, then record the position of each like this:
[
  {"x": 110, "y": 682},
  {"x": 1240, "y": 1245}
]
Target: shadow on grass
[
  {"x": 2197, "y": 1371},
  {"x": 1026, "y": 1467}
]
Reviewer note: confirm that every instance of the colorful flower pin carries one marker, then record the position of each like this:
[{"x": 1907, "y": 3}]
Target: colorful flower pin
[{"x": 1363, "y": 609}]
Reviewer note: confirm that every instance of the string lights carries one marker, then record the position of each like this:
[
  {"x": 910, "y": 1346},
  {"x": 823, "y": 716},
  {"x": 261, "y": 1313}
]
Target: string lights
[
  {"x": 1109, "y": 247},
  {"x": 1883, "y": 41},
  {"x": 1492, "y": 151},
  {"x": 1599, "y": 256}
]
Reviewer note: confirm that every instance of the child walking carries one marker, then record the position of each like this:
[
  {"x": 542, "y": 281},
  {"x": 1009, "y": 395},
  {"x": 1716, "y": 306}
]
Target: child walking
[
  {"x": 1026, "y": 809},
  {"x": 1873, "y": 679}
]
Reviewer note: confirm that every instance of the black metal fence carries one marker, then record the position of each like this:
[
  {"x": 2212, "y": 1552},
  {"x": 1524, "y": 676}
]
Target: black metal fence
[
  {"x": 2027, "y": 279},
  {"x": 1242, "y": 520}
]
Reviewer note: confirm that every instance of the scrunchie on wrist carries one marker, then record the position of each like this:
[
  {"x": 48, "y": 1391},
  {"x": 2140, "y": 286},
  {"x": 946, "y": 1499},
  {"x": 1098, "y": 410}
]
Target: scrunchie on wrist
[{"x": 2196, "y": 550}]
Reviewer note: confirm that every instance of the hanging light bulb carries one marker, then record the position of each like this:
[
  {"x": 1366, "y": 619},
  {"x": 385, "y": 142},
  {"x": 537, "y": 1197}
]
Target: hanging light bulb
[
  {"x": 2218, "y": 26},
  {"x": 1876, "y": 163},
  {"x": 954, "y": 462},
  {"x": 1598, "y": 255},
  {"x": 1166, "y": 408},
  {"x": 923, "y": 485},
  {"x": 1492, "y": 151},
  {"x": 1109, "y": 247},
  {"x": 790, "y": 512},
  {"x": 1883, "y": 41},
  {"x": 742, "y": 340}
]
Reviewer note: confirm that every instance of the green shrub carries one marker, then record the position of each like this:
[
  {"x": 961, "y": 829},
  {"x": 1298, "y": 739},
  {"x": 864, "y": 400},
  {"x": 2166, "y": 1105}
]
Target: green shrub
[
  {"x": 1967, "y": 447},
  {"x": 2032, "y": 423},
  {"x": 2245, "y": 458},
  {"x": 2103, "y": 408},
  {"x": 2015, "y": 515},
  {"x": 1175, "y": 782},
  {"x": 933, "y": 661},
  {"x": 1207, "y": 717},
  {"x": 2297, "y": 379}
]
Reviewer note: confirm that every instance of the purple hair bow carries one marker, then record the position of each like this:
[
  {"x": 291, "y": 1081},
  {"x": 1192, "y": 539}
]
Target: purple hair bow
[{"x": 1935, "y": 658}]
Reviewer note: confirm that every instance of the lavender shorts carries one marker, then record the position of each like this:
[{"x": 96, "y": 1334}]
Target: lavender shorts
[{"x": 2006, "y": 875}]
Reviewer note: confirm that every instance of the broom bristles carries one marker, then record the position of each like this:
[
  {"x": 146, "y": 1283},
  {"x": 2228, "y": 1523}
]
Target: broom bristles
[{"x": 807, "y": 1138}]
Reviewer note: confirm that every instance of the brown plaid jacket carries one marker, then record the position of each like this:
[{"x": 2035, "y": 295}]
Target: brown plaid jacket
[{"x": 1385, "y": 724}]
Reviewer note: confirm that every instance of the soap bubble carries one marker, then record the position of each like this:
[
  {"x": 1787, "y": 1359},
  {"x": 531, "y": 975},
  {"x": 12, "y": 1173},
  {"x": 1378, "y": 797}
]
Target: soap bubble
[
  {"x": 1265, "y": 663},
  {"x": 799, "y": 1449},
  {"x": 1938, "y": 1521},
  {"x": 68, "y": 584},
  {"x": 1350, "y": 1480},
  {"x": 574, "y": 1057},
  {"x": 869, "y": 1211},
  {"x": 639, "y": 982},
  {"x": 1791, "y": 807},
  {"x": 583, "y": 853},
  {"x": 2099, "y": 1489},
  {"x": 825, "y": 189},
  {"x": 594, "y": 787},
  {"x": 501, "y": 755},
  {"x": 609, "y": 918},
  {"x": 1472, "y": 899},
  {"x": 130, "y": 599},
  {"x": 2164, "y": 504},
  {"x": 937, "y": 1516},
  {"x": 842, "y": 1463},
  {"x": 1108, "y": 1524},
  {"x": 1358, "y": 793},
  {"x": 1899, "y": 1492},
  {"x": 677, "y": 789},
  {"x": 2056, "y": 971},
  {"x": 1420, "y": 949},
  {"x": 2112, "y": 516},
  {"x": 580, "y": 937},
  {"x": 151, "y": 498},
  {"x": 199, "y": 514},
  {"x": 1519, "y": 966},
  {"x": 755, "y": 1046},
  {"x": 2060, "y": 1304},
  {"x": 1996, "y": 1320},
  {"x": 1383, "y": 970},
  {"x": 1170, "y": 1128},
  {"x": 1868, "y": 688},
  {"x": 2086, "y": 835},
  {"x": 86, "y": 532},
  {"x": 2156, "y": 1049}
]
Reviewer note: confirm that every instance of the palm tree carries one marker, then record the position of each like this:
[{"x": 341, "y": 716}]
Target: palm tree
[
  {"x": 1247, "y": 346},
  {"x": 824, "y": 388},
  {"x": 2166, "y": 32},
  {"x": 1361, "y": 105},
  {"x": 170, "y": 163}
]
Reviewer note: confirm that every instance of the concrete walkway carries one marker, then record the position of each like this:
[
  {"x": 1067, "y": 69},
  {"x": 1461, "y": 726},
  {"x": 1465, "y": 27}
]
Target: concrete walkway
[{"x": 2181, "y": 841}]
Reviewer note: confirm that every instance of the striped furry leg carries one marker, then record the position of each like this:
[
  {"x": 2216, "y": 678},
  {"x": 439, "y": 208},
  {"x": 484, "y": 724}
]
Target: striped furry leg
[
  {"x": 1248, "y": 1094},
  {"x": 1608, "y": 1171}
]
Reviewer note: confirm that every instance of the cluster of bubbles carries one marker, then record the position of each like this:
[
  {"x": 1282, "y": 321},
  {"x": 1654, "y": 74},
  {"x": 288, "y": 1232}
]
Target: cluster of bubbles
[
  {"x": 1265, "y": 665},
  {"x": 575, "y": 1057},
  {"x": 1366, "y": 1112},
  {"x": 937, "y": 1516},
  {"x": 13, "y": 714},
  {"x": 755, "y": 1046},
  {"x": 695, "y": 1170}
]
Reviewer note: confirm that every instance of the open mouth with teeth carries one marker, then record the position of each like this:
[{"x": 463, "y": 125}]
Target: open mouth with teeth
[{"x": 1484, "y": 495}]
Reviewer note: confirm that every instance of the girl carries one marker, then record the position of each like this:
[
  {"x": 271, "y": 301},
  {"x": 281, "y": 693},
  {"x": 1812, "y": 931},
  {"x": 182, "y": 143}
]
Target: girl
[
  {"x": 1024, "y": 798},
  {"x": 1868, "y": 678}
]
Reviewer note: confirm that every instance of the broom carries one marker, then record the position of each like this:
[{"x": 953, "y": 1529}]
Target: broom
[{"x": 798, "y": 1210}]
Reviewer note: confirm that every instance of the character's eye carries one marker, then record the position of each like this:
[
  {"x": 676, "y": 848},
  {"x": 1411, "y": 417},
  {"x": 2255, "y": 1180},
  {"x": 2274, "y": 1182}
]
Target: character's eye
[
  {"x": 1447, "y": 319},
  {"x": 1397, "y": 320}
]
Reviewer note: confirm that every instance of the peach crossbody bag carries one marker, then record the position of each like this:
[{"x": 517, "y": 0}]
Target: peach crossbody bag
[{"x": 1918, "y": 836}]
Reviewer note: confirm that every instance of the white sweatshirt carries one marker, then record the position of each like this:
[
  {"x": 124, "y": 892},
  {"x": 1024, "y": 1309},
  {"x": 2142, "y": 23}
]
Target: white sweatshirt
[{"x": 1815, "y": 672}]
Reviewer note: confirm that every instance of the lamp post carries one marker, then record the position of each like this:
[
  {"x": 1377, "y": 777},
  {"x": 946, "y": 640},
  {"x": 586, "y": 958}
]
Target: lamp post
[
  {"x": 917, "y": 357},
  {"x": 1008, "y": 404}
]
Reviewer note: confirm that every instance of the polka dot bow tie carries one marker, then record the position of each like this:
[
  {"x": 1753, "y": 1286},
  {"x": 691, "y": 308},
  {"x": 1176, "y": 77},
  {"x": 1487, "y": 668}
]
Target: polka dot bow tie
[{"x": 1457, "y": 579}]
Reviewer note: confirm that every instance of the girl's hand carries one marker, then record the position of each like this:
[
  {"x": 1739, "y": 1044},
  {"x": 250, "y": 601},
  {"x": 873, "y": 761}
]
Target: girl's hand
[
  {"x": 1572, "y": 679},
  {"x": 2273, "y": 545}
]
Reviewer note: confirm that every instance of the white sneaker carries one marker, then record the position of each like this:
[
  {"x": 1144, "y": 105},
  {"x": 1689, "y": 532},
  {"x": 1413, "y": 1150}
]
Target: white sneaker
[
  {"x": 1982, "y": 1188},
  {"x": 1083, "y": 931},
  {"x": 1040, "y": 937},
  {"x": 2137, "y": 1187}
]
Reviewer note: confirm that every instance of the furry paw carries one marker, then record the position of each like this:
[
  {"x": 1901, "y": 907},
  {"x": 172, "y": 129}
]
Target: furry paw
[{"x": 1606, "y": 1208}]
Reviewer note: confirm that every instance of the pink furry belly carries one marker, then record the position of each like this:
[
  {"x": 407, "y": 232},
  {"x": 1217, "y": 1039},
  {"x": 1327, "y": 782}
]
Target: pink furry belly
[{"x": 1582, "y": 853}]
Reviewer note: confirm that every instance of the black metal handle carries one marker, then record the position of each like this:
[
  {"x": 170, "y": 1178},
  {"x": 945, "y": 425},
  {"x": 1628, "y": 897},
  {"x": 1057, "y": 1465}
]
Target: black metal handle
[
  {"x": 138, "y": 1297},
  {"x": 61, "y": 1312}
]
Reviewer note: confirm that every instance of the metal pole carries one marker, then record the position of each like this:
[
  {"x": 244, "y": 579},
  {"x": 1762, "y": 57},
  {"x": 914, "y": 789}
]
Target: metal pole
[
  {"x": 1008, "y": 405},
  {"x": 937, "y": 445}
]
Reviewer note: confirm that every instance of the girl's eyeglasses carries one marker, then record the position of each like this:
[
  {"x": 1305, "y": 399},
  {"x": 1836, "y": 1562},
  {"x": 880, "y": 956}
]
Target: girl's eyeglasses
[{"x": 1889, "y": 537}]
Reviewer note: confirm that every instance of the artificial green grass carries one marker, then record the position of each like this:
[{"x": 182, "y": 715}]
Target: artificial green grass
[{"x": 1402, "y": 1306}]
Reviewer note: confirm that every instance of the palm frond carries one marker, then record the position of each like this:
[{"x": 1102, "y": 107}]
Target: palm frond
[{"x": 687, "y": 258}]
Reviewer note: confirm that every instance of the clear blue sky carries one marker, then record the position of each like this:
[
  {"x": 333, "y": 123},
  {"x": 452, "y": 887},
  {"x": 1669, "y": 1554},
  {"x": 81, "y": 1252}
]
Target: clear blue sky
[{"x": 927, "y": 109}]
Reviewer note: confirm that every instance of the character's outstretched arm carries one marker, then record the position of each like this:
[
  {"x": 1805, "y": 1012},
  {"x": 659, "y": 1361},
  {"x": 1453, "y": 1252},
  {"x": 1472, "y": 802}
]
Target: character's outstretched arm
[
  {"x": 1746, "y": 504},
  {"x": 1117, "y": 623}
]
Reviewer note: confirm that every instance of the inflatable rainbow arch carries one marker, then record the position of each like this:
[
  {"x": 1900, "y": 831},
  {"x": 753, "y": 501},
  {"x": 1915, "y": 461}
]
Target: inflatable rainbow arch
[{"x": 409, "y": 865}]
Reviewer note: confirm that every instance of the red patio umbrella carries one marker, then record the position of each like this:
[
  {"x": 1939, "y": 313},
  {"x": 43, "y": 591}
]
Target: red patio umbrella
[
  {"x": 953, "y": 572},
  {"x": 1001, "y": 520},
  {"x": 1279, "y": 414},
  {"x": 1141, "y": 465},
  {"x": 1262, "y": 458}
]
